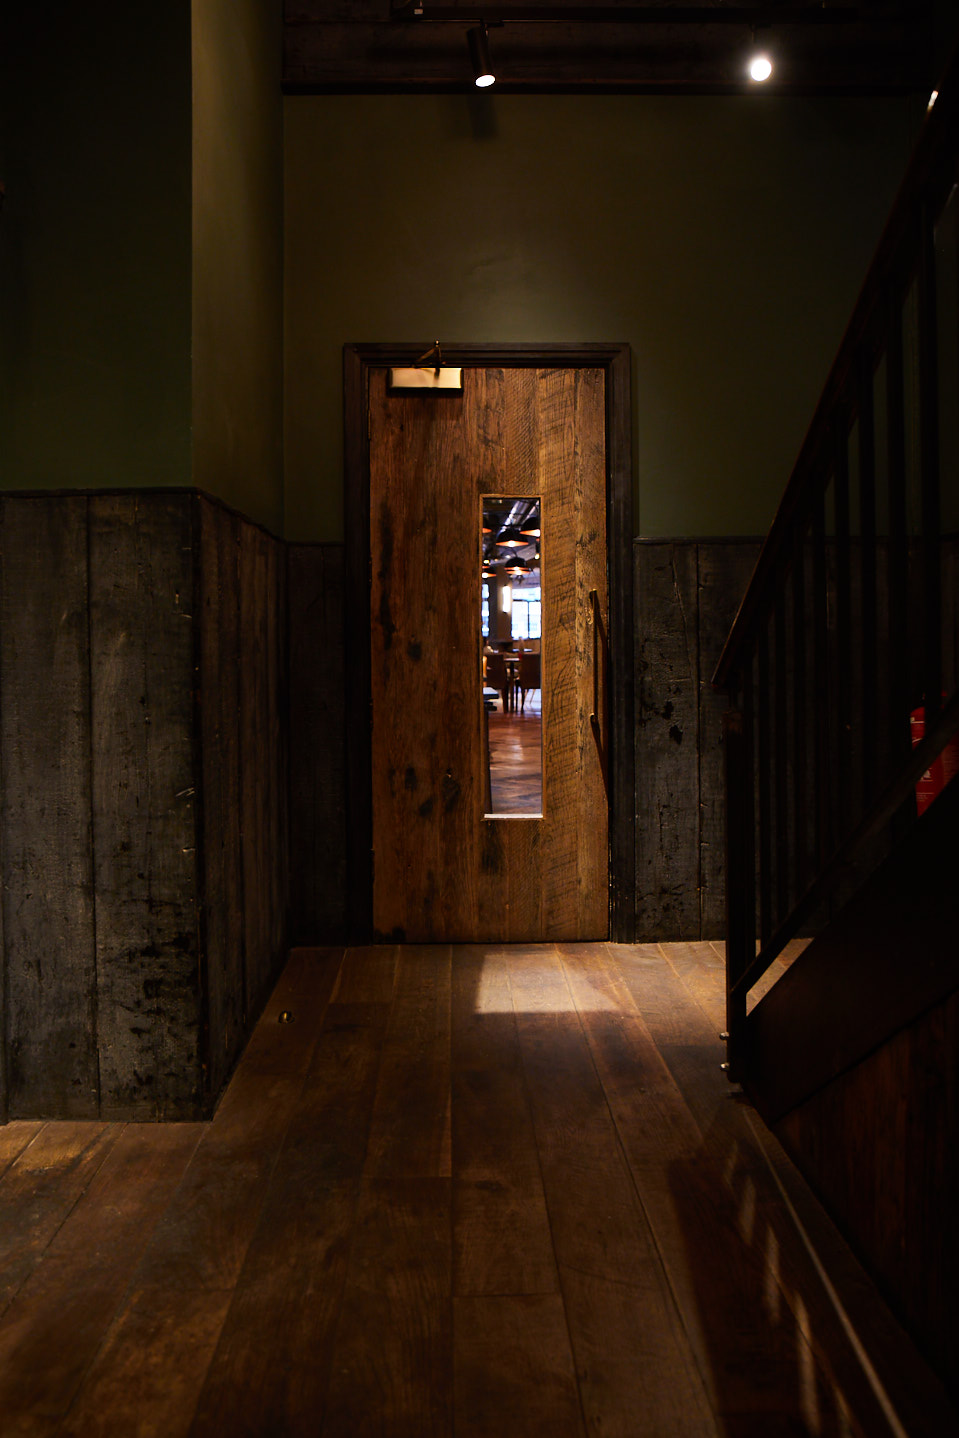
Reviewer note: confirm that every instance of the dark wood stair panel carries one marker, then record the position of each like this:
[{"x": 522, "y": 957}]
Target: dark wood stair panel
[
  {"x": 918, "y": 1398},
  {"x": 886, "y": 958}
]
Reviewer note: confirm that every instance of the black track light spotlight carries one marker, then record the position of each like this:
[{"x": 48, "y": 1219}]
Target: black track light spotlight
[{"x": 478, "y": 40}]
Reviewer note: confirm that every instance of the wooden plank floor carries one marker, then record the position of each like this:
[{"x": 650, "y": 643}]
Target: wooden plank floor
[
  {"x": 473, "y": 1191},
  {"x": 516, "y": 762}
]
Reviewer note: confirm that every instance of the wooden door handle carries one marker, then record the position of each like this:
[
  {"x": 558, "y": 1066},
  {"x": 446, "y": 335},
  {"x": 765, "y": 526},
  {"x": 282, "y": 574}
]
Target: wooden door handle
[{"x": 600, "y": 646}]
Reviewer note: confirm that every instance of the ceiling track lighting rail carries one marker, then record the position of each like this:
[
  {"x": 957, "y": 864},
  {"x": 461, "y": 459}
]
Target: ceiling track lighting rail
[
  {"x": 749, "y": 16},
  {"x": 415, "y": 46}
]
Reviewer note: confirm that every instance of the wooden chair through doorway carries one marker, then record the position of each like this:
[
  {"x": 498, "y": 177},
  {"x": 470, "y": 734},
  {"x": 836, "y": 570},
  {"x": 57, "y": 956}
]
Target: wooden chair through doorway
[
  {"x": 497, "y": 677},
  {"x": 529, "y": 676}
]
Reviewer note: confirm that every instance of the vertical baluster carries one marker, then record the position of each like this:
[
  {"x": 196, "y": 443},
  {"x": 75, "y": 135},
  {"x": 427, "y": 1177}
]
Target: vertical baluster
[
  {"x": 800, "y": 810},
  {"x": 780, "y": 754},
  {"x": 843, "y": 748},
  {"x": 867, "y": 530},
  {"x": 929, "y": 440},
  {"x": 749, "y": 806},
  {"x": 740, "y": 880},
  {"x": 764, "y": 725},
  {"x": 900, "y": 699},
  {"x": 821, "y": 687}
]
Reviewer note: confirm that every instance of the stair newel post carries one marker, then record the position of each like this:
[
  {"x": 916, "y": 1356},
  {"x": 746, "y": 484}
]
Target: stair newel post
[{"x": 740, "y": 885}]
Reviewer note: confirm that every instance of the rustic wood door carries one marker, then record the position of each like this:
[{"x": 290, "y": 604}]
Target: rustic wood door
[{"x": 442, "y": 871}]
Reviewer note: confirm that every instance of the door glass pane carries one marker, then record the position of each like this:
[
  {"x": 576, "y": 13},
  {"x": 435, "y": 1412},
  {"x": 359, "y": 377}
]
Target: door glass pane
[{"x": 511, "y": 647}]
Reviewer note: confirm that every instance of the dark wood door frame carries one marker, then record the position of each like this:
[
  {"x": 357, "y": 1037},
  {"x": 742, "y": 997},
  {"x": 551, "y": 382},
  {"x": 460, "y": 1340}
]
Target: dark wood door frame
[{"x": 614, "y": 360}]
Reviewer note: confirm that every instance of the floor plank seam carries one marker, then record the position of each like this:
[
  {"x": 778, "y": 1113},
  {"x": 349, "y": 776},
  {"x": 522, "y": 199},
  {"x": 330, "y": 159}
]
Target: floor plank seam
[
  {"x": 267, "y": 1190},
  {"x": 358, "y": 1183},
  {"x": 709, "y": 1027},
  {"x": 531, "y": 1115},
  {"x": 665, "y": 1276},
  {"x": 124, "y": 1299},
  {"x": 15, "y": 1158},
  {"x": 40, "y": 1257}
]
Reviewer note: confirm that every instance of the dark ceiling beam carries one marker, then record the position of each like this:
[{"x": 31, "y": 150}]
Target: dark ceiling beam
[
  {"x": 853, "y": 57},
  {"x": 871, "y": 11},
  {"x": 748, "y": 15}
]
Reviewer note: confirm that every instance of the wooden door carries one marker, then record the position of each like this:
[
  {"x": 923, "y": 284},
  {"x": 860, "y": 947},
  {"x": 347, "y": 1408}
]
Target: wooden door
[{"x": 441, "y": 870}]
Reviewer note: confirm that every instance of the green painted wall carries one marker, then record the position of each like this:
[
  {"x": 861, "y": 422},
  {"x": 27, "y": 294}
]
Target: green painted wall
[
  {"x": 724, "y": 238},
  {"x": 238, "y": 255},
  {"x": 141, "y": 248},
  {"x": 95, "y": 244}
]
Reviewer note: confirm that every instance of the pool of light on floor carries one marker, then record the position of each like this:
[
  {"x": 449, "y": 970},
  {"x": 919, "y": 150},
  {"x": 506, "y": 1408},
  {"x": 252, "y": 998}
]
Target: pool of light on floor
[{"x": 498, "y": 993}]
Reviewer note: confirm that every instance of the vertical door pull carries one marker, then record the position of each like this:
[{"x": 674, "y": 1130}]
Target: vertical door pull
[{"x": 600, "y": 647}]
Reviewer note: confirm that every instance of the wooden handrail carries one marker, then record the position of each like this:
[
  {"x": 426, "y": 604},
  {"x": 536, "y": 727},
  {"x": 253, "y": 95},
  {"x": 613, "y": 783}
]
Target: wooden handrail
[
  {"x": 836, "y": 656},
  {"x": 844, "y": 860},
  {"x": 928, "y": 181}
]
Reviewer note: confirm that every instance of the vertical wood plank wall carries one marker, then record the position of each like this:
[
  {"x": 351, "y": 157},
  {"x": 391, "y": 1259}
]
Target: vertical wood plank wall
[
  {"x": 318, "y": 797},
  {"x": 50, "y": 999},
  {"x": 243, "y": 773},
  {"x": 147, "y": 994},
  {"x": 687, "y": 594},
  {"x": 143, "y": 816},
  {"x": 172, "y": 683}
]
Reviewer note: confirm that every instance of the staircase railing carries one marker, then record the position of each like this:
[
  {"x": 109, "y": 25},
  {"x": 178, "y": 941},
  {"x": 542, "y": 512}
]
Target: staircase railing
[{"x": 842, "y": 664}]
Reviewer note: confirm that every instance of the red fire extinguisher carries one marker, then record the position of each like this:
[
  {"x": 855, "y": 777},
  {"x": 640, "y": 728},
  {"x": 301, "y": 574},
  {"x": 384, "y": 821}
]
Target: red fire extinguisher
[{"x": 941, "y": 770}]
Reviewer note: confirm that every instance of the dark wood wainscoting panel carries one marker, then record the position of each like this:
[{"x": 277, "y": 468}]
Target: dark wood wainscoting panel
[
  {"x": 724, "y": 571},
  {"x": 255, "y": 605},
  {"x": 263, "y": 779},
  {"x": 144, "y": 804},
  {"x": 220, "y": 722},
  {"x": 667, "y": 742},
  {"x": 243, "y": 769},
  {"x": 273, "y": 756},
  {"x": 318, "y": 799},
  {"x": 280, "y": 730},
  {"x": 686, "y": 595},
  {"x": 144, "y": 812},
  {"x": 47, "y": 868}
]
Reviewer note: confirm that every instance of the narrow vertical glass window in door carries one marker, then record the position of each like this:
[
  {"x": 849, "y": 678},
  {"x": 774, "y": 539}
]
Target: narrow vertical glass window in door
[{"x": 512, "y": 641}]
